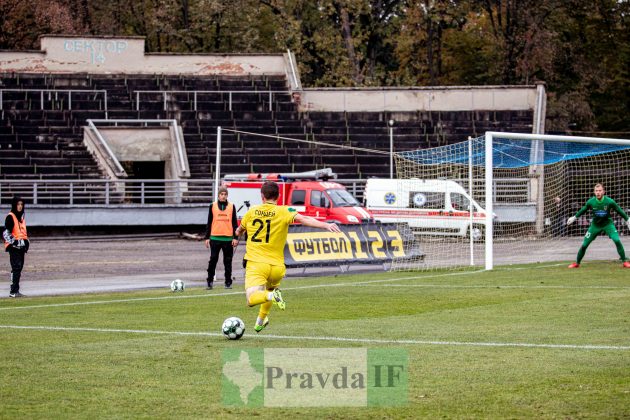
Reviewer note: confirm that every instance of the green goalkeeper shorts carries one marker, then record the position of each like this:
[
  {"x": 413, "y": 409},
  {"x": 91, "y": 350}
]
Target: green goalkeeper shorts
[{"x": 594, "y": 231}]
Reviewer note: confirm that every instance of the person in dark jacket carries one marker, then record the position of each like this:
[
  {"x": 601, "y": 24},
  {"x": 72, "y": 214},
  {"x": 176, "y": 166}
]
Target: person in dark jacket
[
  {"x": 220, "y": 236},
  {"x": 16, "y": 243}
]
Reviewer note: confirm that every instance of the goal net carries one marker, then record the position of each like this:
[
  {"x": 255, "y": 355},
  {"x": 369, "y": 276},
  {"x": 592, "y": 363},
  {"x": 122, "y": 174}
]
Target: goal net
[{"x": 521, "y": 188}]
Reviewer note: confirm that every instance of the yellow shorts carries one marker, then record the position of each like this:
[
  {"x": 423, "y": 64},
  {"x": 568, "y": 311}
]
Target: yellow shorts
[{"x": 261, "y": 274}]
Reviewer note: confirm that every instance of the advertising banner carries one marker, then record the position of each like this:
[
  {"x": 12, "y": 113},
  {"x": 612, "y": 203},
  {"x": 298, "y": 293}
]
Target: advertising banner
[{"x": 372, "y": 243}]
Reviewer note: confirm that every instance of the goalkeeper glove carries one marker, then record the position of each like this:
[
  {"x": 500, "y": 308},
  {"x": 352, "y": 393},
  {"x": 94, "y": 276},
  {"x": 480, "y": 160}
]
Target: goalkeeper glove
[
  {"x": 570, "y": 220},
  {"x": 628, "y": 223}
]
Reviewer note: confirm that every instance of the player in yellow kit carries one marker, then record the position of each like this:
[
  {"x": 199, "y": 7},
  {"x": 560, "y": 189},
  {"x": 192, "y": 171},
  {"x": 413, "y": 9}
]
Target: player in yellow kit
[{"x": 267, "y": 226}]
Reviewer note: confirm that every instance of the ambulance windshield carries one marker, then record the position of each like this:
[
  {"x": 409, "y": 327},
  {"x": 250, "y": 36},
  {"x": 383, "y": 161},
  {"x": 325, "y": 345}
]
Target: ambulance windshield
[{"x": 342, "y": 198}]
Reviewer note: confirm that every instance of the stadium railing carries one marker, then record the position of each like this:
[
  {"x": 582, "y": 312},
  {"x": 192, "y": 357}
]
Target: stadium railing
[
  {"x": 169, "y": 192},
  {"x": 167, "y": 95},
  {"x": 128, "y": 192},
  {"x": 55, "y": 97}
]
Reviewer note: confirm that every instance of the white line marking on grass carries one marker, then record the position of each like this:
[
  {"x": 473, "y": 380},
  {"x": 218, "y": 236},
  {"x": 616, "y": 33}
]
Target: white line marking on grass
[
  {"x": 327, "y": 338},
  {"x": 209, "y": 295},
  {"x": 500, "y": 286},
  {"x": 529, "y": 268}
]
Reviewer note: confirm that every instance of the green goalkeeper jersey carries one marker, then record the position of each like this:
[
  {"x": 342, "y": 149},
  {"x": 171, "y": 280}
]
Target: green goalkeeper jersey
[{"x": 601, "y": 210}]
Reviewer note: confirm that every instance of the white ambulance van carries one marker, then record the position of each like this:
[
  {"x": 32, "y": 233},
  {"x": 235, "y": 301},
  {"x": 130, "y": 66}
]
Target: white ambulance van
[{"x": 430, "y": 207}]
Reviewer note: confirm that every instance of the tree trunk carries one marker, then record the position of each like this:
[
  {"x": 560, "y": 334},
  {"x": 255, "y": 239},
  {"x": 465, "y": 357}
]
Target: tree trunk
[{"x": 346, "y": 33}]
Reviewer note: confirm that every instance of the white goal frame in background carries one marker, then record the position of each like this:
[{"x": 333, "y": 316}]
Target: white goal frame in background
[{"x": 537, "y": 138}]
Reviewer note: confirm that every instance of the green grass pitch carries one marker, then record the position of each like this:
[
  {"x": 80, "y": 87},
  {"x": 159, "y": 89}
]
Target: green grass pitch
[{"x": 529, "y": 341}]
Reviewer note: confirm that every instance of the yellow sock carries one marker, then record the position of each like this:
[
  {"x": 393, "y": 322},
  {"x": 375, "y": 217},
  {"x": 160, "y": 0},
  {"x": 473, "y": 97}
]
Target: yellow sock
[
  {"x": 264, "y": 310},
  {"x": 257, "y": 298}
]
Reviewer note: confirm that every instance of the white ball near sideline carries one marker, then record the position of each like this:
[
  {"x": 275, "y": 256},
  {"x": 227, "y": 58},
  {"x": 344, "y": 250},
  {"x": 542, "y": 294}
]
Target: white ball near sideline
[{"x": 177, "y": 285}]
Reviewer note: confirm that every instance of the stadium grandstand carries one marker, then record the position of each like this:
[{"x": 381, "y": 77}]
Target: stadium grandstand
[{"x": 99, "y": 127}]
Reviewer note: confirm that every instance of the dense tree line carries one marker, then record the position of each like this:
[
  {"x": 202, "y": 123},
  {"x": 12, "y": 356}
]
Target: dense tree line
[{"x": 581, "y": 49}]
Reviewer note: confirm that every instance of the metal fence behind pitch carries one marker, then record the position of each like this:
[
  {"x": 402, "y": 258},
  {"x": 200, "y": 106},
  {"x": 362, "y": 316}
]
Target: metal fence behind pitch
[{"x": 128, "y": 192}]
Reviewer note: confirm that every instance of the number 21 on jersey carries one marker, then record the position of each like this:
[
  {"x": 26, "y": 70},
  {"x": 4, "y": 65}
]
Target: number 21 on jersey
[{"x": 260, "y": 226}]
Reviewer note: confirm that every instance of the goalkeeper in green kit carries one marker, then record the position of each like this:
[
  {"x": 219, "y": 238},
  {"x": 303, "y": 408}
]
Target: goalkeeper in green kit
[{"x": 602, "y": 222}]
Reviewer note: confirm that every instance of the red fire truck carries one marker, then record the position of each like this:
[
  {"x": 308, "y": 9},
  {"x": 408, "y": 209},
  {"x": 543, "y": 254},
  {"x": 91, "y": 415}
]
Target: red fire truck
[{"x": 310, "y": 193}]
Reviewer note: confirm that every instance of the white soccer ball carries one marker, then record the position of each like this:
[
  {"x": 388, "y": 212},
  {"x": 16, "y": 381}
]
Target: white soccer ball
[
  {"x": 177, "y": 285},
  {"x": 233, "y": 328}
]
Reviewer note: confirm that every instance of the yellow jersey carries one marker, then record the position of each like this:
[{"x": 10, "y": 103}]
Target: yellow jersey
[{"x": 267, "y": 226}]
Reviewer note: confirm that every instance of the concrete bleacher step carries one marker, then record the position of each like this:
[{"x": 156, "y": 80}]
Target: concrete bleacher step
[
  {"x": 329, "y": 130},
  {"x": 282, "y": 96},
  {"x": 236, "y": 168},
  {"x": 254, "y": 142},
  {"x": 292, "y": 132},
  {"x": 16, "y": 169},
  {"x": 288, "y": 116},
  {"x": 190, "y": 145},
  {"x": 122, "y": 114},
  {"x": 332, "y": 126},
  {"x": 37, "y": 145},
  {"x": 368, "y": 159},
  {"x": 234, "y": 159},
  {"x": 61, "y": 130},
  {"x": 63, "y": 168},
  {"x": 210, "y": 126},
  {"x": 121, "y": 104},
  {"x": 14, "y": 161},
  {"x": 146, "y": 105},
  {"x": 303, "y": 167},
  {"x": 330, "y": 138},
  {"x": 278, "y": 159},
  {"x": 360, "y": 124},
  {"x": 297, "y": 146},
  {"x": 268, "y": 151},
  {"x": 256, "y": 126},
  {"x": 211, "y": 106},
  {"x": 10, "y": 152},
  {"x": 27, "y": 115},
  {"x": 383, "y": 131},
  {"x": 343, "y": 171},
  {"x": 404, "y": 130},
  {"x": 282, "y": 107},
  {"x": 241, "y": 115},
  {"x": 199, "y": 168},
  {"x": 338, "y": 160},
  {"x": 292, "y": 129},
  {"x": 44, "y": 154},
  {"x": 201, "y": 83},
  {"x": 28, "y": 129},
  {"x": 372, "y": 172},
  {"x": 19, "y": 176},
  {"x": 265, "y": 168},
  {"x": 325, "y": 116},
  {"x": 89, "y": 114},
  {"x": 50, "y": 161},
  {"x": 198, "y": 159},
  {"x": 277, "y": 84},
  {"x": 209, "y": 116},
  {"x": 249, "y": 106},
  {"x": 191, "y": 130}
]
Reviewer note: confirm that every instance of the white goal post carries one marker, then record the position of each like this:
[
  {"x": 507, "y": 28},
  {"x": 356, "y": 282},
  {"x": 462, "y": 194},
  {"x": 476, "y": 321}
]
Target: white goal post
[{"x": 537, "y": 146}]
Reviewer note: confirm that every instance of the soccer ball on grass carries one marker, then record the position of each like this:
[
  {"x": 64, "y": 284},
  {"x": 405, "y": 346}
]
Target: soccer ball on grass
[
  {"x": 177, "y": 285},
  {"x": 233, "y": 328}
]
